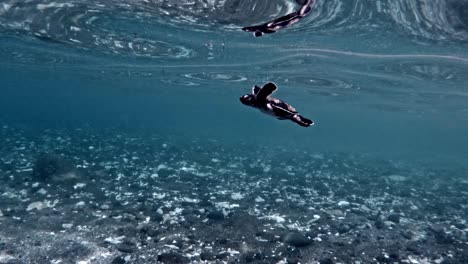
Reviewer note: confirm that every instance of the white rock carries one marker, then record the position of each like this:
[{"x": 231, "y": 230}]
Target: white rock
[
  {"x": 67, "y": 226},
  {"x": 79, "y": 185},
  {"x": 275, "y": 217},
  {"x": 36, "y": 205},
  {"x": 315, "y": 218},
  {"x": 343, "y": 203},
  {"x": 42, "y": 191},
  {"x": 81, "y": 203},
  {"x": 161, "y": 166},
  {"x": 5, "y": 258},
  {"x": 397, "y": 178},
  {"x": 237, "y": 196},
  {"x": 189, "y": 200},
  {"x": 114, "y": 240},
  {"x": 259, "y": 199},
  {"x": 105, "y": 207},
  {"x": 1, "y": 213}
]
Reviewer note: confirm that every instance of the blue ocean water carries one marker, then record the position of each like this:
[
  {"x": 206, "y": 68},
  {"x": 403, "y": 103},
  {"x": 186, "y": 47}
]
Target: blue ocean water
[
  {"x": 383, "y": 79},
  {"x": 376, "y": 76}
]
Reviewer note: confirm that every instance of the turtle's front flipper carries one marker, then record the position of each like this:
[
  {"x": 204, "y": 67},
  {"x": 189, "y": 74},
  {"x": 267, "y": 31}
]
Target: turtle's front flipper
[
  {"x": 302, "y": 121},
  {"x": 266, "y": 91},
  {"x": 255, "y": 90}
]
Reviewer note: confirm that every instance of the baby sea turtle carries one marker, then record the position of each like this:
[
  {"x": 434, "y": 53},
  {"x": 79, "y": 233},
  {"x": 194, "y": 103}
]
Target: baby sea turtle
[
  {"x": 282, "y": 22},
  {"x": 260, "y": 99}
]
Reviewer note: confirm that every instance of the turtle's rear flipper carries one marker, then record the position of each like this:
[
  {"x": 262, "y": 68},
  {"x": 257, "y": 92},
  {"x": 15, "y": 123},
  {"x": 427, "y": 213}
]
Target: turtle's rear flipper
[{"x": 302, "y": 121}]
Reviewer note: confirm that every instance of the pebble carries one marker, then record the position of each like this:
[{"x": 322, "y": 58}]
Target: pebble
[
  {"x": 67, "y": 226},
  {"x": 379, "y": 224},
  {"x": 395, "y": 218},
  {"x": 80, "y": 204},
  {"x": 237, "y": 196},
  {"x": 326, "y": 261},
  {"x": 397, "y": 178},
  {"x": 292, "y": 260},
  {"x": 114, "y": 240},
  {"x": 1, "y": 213},
  {"x": 207, "y": 256},
  {"x": 259, "y": 200},
  {"x": 118, "y": 260},
  {"x": 126, "y": 247},
  {"x": 335, "y": 212},
  {"x": 297, "y": 239},
  {"x": 344, "y": 228},
  {"x": 215, "y": 215},
  {"x": 36, "y": 205},
  {"x": 343, "y": 203},
  {"x": 42, "y": 191},
  {"x": 172, "y": 257}
]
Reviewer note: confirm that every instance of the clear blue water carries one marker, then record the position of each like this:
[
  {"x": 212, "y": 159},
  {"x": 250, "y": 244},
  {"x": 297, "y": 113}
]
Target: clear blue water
[{"x": 384, "y": 78}]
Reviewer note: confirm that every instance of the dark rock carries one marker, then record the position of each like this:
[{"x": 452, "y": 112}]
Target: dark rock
[
  {"x": 148, "y": 230},
  {"x": 408, "y": 235},
  {"x": 326, "y": 261},
  {"x": 414, "y": 248},
  {"x": 68, "y": 250},
  {"x": 164, "y": 173},
  {"x": 126, "y": 247},
  {"x": 205, "y": 203},
  {"x": 395, "y": 218},
  {"x": 128, "y": 231},
  {"x": 51, "y": 166},
  {"x": 344, "y": 228},
  {"x": 443, "y": 238},
  {"x": 215, "y": 215},
  {"x": 156, "y": 217},
  {"x": 253, "y": 256},
  {"x": 118, "y": 260},
  {"x": 296, "y": 239},
  {"x": 394, "y": 256},
  {"x": 293, "y": 260},
  {"x": 172, "y": 258},
  {"x": 223, "y": 241},
  {"x": 382, "y": 259},
  {"x": 339, "y": 243},
  {"x": 460, "y": 226},
  {"x": 222, "y": 255},
  {"x": 207, "y": 256},
  {"x": 379, "y": 224},
  {"x": 254, "y": 170},
  {"x": 450, "y": 261}
]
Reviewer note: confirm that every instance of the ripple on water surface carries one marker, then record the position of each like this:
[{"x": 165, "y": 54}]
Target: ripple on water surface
[{"x": 112, "y": 26}]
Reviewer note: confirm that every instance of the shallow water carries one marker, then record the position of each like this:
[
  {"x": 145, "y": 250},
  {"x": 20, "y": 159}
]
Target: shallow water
[{"x": 385, "y": 82}]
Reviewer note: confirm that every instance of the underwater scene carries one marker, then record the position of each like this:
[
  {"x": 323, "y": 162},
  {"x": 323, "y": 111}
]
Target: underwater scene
[{"x": 234, "y": 131}]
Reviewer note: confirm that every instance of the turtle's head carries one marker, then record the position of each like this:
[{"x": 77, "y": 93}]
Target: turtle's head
[{"x": 248, "y": 99}]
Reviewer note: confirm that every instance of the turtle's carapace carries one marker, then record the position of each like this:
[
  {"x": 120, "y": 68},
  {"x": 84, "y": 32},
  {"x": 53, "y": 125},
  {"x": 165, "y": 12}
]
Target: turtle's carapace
[{"x": 260, "y": 99}]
